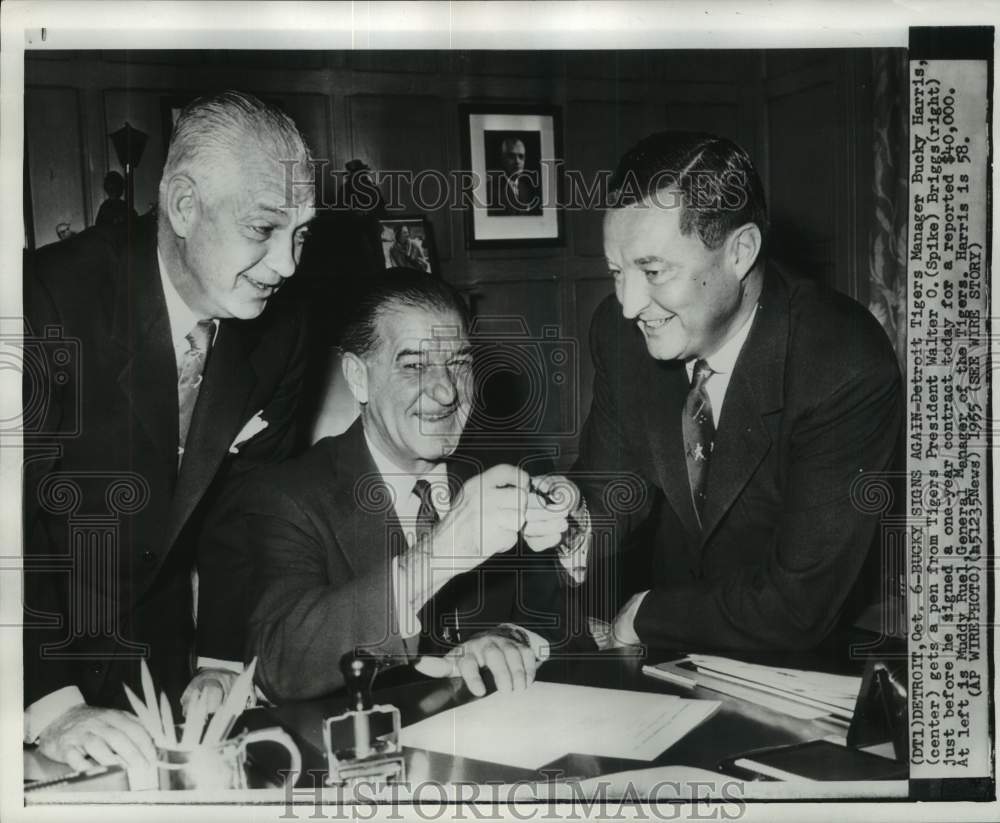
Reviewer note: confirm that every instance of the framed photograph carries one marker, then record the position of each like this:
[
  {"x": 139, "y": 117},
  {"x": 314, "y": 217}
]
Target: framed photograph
[
  {"x": 514, "y": 155},
  {"x": 408, "y": 242}
]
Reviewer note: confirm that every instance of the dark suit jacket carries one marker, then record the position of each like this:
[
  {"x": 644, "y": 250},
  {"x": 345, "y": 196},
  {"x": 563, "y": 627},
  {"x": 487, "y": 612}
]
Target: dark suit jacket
[
  {"x": 111, "y": 531},
  {"x": 813, "y": 404},
  {"x": 323, "y": 531}
]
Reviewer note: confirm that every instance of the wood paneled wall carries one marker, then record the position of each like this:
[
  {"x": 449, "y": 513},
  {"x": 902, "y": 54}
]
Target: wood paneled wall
[{"x": 801, "y": 114}]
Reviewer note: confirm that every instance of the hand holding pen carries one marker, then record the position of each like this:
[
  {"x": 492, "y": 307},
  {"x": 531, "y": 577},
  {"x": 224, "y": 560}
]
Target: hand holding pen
[{"x": 552, "y": 500}]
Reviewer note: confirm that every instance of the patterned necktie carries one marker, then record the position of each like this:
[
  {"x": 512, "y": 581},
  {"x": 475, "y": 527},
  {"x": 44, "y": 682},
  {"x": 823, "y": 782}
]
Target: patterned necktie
[
  {"x": 699, "y": 434},
  {"x": 189, "y": 373},
  {"x": 427, "y": 515},
  {"x": 434, "y": 616}
]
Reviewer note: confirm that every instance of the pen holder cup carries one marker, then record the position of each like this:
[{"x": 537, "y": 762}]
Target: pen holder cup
[{"x": 220, "y": 765}]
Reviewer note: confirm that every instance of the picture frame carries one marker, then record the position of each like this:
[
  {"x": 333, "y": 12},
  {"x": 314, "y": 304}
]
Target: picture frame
[
  {"x": 408, "y": 242},
  {"x": 514, "y": 157}
]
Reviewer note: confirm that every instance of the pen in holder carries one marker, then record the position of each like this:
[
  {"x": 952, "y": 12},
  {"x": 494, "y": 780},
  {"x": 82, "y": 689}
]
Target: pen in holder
[
  {"x": 219, "y": 764},
  {"x": 353, "y": 751}
]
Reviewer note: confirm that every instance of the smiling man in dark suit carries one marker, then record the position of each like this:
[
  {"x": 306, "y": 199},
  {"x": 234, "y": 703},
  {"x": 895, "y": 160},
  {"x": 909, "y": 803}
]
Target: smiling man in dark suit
[
  {"x": 184, "y": 385},
  {"x": 742, "y": 405},
  {"x": 383, "y": 538}
]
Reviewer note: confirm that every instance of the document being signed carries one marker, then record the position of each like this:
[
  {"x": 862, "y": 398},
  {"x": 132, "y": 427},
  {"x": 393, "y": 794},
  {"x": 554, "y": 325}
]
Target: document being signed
[{"x": 548, "y": 720}]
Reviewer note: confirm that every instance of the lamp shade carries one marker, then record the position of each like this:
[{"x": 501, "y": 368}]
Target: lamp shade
[{"x": 129, "y": 144}]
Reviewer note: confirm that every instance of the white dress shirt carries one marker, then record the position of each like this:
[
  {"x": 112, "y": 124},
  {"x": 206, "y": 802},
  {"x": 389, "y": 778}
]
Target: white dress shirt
[
  {"x": 182, "y": 318},
  {"x": 407, "y": 505},
  {"x": 722, "y": 363}
]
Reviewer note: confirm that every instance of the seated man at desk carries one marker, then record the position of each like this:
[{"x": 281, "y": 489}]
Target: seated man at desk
[
  {"x": 744, "y": 405},
  {"x": 382, "y": 539}
]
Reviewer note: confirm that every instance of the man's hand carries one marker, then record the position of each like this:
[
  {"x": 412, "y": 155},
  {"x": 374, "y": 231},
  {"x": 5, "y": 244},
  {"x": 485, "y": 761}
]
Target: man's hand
[
  {"x": 109, "y": 736},
  {"x": 485, "y": 518},
  {"x": 552, "y": 500},
  {"x": 623, "y": 630},
  {"x": 511, "y": 662},
  {"x": 214, "y": 683},
  {"x": 557, "y": 515}
]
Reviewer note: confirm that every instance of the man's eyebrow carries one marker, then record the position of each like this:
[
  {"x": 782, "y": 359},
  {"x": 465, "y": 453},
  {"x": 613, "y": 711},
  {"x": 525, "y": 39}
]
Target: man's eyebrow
[
  {"x": 652, "y": 258},
  {"x": 465, "y": 351},
  {"x": 266, "y": 208}
]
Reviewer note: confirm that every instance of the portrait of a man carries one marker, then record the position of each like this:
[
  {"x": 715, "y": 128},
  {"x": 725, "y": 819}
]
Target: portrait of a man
[{"x": 513, "y": 176}]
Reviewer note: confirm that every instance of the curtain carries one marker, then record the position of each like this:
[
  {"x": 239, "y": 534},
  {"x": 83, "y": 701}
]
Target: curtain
[{"x": 887, "y": 239}]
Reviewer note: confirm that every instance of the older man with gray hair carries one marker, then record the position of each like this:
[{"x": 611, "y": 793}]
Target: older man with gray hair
[{"x": 183, "y": 385}]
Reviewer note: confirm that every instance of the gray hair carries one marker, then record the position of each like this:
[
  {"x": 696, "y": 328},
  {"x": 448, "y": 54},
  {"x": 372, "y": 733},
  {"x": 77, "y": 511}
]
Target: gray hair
[{"x": 220, "y": 125}]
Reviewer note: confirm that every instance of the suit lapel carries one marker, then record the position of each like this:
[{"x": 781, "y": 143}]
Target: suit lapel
[
  {"x": 363, "y": 503},
  {"x": 668, "y": 387},
  {"x": 148, "y": 379},
  {"x": 371, "y": 534},
  {"x": 228, "y": 382},
  {"x": 756, "y": 389}
]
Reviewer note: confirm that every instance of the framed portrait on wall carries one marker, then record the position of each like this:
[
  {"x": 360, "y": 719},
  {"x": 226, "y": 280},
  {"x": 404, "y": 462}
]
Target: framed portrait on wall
[
  {"x": 408, "y": 242},
  {"x": 514, "y": 154}
]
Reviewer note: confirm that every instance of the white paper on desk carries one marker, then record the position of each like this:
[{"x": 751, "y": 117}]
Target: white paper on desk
[
  {"x": 548, "y": 720},
  {"x": 837, "y": 690}
]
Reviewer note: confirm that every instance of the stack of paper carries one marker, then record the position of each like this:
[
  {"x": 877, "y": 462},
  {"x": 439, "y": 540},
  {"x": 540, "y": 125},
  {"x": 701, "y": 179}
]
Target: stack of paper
[
  {"x": 799, "y": 693},
  {"x": 548, "y": 720},
  {"x": 835, "y": 692}
]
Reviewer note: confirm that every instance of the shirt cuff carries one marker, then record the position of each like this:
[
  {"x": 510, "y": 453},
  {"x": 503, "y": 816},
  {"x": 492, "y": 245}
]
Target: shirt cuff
[
  {"x": 215, "y": 663},
  {"x": 46, "y": 709},
  {"x": 409, "y": 622},
  {"x": 574, "y": 549}
]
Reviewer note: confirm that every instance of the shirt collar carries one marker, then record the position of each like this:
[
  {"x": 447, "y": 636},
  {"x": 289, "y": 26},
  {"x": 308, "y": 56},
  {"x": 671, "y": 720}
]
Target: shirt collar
[
  {"x": 399, "y": 482},
  {"x": 182, "y": 318},
  {"x": 723, "y": 361}
]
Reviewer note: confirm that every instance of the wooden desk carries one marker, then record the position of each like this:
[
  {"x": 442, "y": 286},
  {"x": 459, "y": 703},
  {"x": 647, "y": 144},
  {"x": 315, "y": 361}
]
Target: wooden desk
[{"x": 738, "y": 726}]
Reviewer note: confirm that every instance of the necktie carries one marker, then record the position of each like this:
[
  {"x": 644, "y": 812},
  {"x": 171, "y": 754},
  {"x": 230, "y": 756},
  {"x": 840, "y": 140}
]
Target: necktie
[
  {"x": 427, "y": 515},
  {"x": 699, "y": 434},
  {"x": 189, "y": 373},
  {"x": 432, "y": 616}
]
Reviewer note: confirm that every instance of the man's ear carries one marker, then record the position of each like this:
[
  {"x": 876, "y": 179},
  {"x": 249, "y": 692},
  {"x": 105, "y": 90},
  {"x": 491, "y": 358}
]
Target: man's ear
[
  {"x": 356, "y": 374},
  {"x": 743, "y": 248},
  {"x": 182, "y": 204}
]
